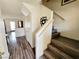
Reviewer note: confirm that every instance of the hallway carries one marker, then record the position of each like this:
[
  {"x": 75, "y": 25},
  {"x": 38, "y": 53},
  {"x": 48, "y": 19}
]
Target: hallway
[{"x": 19, "y": 48}]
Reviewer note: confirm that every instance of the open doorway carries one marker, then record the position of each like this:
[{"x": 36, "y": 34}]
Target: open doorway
[{"x": 12, "y": 25}]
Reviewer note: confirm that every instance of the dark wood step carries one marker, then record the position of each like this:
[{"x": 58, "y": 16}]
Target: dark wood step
[
  {"x": 55, "y": 35},
  {"x": 54, "y": 30},
  {"x": 43, "y": 57},
  {"x": 68, "y": 49},
  {"x": 68, "y": 41},
  {"x": 59, "y": 53},
  {"x": 50, "y": 55}
]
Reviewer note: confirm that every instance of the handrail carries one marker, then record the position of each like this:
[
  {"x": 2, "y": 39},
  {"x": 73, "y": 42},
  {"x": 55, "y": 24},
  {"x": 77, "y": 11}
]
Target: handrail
[
  {"x": 45, "y": 26},
  {"x": 59, "y": 16}
]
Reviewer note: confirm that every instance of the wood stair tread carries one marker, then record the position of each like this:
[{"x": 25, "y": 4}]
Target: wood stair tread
[
  {"x": 65, "y": 44},
  {"x": 49, "y": 55},
  {"x": 59, "y": 53},
  {"x": 65, "y": 48},
  {"x": 69, "y": 42},
  {"x": 43, "y": 57}
]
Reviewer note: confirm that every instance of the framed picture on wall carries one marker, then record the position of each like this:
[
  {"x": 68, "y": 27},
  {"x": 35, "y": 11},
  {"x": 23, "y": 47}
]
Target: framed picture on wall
[{"x": 64, "y": 2}]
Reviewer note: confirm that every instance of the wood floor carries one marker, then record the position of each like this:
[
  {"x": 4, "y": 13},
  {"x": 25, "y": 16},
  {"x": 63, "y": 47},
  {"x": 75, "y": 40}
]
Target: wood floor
[{"x": 19, "y": 48}]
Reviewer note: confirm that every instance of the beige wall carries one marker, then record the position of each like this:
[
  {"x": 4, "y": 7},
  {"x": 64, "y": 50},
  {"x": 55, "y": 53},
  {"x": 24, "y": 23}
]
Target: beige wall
[
  {"x": 31, "y": 1},
  {"x": 3, "y": 43},
  {"x": 31, "y": 19},
  {"x": 43, "y": 38},
  {"x": 36, "y": 12},
  {"x": 7, "y": 23},
  {"x": 70, "y": 12}
]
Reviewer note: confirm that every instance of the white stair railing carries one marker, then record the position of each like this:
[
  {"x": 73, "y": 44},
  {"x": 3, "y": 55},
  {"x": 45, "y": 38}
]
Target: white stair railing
[{"x": 43, "y": 37}]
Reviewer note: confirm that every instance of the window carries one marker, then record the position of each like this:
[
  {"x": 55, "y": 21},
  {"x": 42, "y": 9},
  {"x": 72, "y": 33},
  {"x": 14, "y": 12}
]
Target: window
[{"x": 20, "y": 24}]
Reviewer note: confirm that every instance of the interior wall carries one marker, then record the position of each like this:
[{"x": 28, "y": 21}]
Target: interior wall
[
  {"x": 3, "y": 43},
  {"x": 44, "y": 11},
  {"x": 36, "y": 11},
  {"x": 33, "y": 17},
  {"x": 32, "y": 1},
  {"x": 28, "y": 30},
  {"x": 7, "y": 23},
  {"x": 43, "y": 38},
  {"x": 70, "y": 12}
]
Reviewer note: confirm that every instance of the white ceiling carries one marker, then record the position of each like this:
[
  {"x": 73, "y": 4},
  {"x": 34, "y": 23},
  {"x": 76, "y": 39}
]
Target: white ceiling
[{"x": 13, "y": 7}]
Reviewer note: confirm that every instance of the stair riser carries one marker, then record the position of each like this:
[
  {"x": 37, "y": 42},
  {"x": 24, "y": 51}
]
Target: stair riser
[
  {"x": 55, "y": 35},
  {"x": 48, "y": 56}
]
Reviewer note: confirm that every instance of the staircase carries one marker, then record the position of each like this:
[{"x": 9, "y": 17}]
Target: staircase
[{"x": 61, "y": 48}]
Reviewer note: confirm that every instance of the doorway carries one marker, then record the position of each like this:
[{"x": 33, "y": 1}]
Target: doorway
[{"x": 12, "y": 25}]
